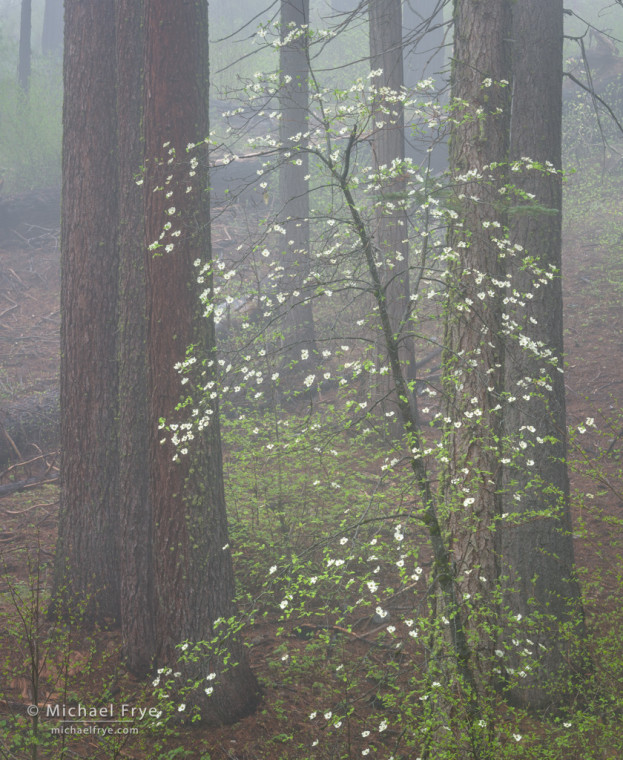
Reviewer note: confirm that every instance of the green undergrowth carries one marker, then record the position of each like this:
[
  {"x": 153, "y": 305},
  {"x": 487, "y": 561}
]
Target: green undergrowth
[
  {"x": 334, "y": 562},
  {"x": 334, "y": 585}
]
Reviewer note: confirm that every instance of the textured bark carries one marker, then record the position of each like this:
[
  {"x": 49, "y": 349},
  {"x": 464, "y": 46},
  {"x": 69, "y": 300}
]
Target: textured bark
[
  {"x": 23, "y": 67},
  {"x": 388, "y": 147},
  {"x": 193, "y": 576},
  {"x": 474, "y": 348},
  {"x": 137, "y": 608},
  {"x": 87, "y": 560},
  {"x": 293, "y": 187},
  {"x": 537, "y": 554},
  {"x": 52, "y": 34}
]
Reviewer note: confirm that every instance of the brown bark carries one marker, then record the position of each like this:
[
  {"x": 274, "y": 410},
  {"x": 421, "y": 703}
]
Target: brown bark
[
  {"x": 137, "y": 607},
  {"x": 537, "y": 554},
  {"x": 193, "y": 576},
  {"x": 87, "y": 560},
  {"x": 473, "y": 358},
  {"x": 293, "y": 187}
]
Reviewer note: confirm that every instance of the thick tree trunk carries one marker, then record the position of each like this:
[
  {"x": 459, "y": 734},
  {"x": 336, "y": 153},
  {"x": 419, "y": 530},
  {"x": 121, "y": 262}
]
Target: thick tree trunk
[
  {"x": 193, "y": 575},
  {"x": 293, "y": 185},
  {"x": 87, "y": 559},
  {"x": 537, "y": 554},
  {"x": 23, "y": 66},
  {"x": 473, "y": 359},
  {"x": 137, "y": 607}
]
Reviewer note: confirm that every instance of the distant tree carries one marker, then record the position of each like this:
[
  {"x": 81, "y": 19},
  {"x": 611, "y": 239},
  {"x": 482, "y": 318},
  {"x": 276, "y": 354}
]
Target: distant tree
[
  {"x": 137, "y": 605},
  {"x": 293, "y": 185},
  {"x": 24, "y": 64},
  {"x": 87, "y": 558},
  {"x": 52, "y": 34},
  {"x": 424, "y": 37},
  {"x": 537, "y": 555},
  {"x": 192, "y": 567},
  {"x": 388, "y": 148}
]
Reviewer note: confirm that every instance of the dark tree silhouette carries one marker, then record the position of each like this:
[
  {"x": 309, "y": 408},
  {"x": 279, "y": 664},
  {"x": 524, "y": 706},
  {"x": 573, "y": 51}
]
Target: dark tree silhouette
[{"x": 24, "y": 63}]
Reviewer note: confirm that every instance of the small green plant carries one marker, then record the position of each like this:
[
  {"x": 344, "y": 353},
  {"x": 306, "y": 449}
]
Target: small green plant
[{"x": 49, "y": 668}]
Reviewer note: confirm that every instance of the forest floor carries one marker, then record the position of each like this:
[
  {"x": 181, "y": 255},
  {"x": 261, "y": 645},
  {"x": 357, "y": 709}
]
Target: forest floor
[{"x": 29, "y": 336}]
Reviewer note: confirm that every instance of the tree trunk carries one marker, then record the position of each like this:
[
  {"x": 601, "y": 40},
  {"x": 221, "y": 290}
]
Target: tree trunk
[
  {"x": 52, "y": 35},
  {"x": 388, "y": 148},
  {"x": 473, "y": 358},
  {"x": 193, "y": 575},
  {"x": 293, "y": 185},
  {"x": 87, "y": 559},
  {"x": 23, "y": 66},
  {"x": 137, "y": 608},
  {"x": 537, "y": 554}
]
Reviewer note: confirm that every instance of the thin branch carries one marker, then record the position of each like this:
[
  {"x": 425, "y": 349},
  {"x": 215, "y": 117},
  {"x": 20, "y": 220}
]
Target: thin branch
[{"x": 594, "y": 95}]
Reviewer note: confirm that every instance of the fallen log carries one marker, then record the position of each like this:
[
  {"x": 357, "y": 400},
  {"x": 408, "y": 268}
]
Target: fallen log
[{"x": 22, "y": 485}]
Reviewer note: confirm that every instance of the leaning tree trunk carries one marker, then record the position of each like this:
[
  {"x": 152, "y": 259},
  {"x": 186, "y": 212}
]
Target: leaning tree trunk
[
  {"x": 137, "y": 606},
  {"x": 473, "y": 358},
  {"x": 537, "y": 553},
  {"x": 87, "y": 558},
  {"x": 293, "y": 182},
  {"x": 192, "y": 566}
]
